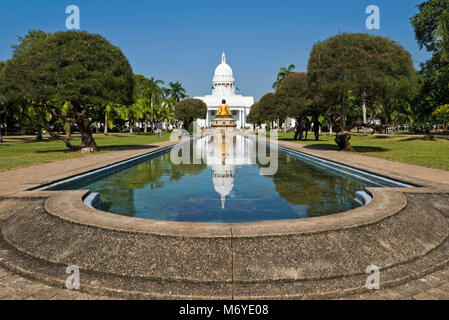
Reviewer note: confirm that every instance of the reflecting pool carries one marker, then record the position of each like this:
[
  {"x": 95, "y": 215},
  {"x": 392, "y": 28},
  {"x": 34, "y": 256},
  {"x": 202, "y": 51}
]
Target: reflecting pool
[{"x": 220, "y": 181}]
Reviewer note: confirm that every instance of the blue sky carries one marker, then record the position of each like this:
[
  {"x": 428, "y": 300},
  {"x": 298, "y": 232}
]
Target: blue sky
[{"x": 183, "y": 39}]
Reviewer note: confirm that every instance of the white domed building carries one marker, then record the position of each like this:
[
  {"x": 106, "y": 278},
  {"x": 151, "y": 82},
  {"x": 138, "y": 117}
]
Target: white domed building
[{"x": 223, "y": 87}]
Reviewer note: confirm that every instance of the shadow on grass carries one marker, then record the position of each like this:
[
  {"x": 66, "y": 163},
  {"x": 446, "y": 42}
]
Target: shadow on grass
[
  {"x": 105, "y": 148},
  {"x": 125, "y": 135},
  {"x": 412, "y": 139},
  {"x": 333, "y": 147},
  {"x": 45, "y": 140},
  {"x": 126, "y": 147},
  {"x": 291, "y": 139}
]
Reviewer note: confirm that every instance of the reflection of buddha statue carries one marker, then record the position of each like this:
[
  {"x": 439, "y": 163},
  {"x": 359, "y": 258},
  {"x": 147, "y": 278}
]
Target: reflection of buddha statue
[
  {"x": 223, "y": 174},
  {"x": 224, "y": 110}
]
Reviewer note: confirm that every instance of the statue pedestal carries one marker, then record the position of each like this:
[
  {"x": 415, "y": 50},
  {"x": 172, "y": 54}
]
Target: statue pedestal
[{"x": 224, "y": 123}]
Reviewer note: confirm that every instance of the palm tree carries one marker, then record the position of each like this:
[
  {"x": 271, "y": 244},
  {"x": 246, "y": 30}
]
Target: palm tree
[
  {"x": 148, "y": 96},
  {"x": 155, "y": 95},
  {"x": 282, "y": 74},
  {"x": 168, "y": 110},
  {"x": 132, "y": 113},
  {"x": 177, "y": 91},
  {"x": 109, "y": 111},
  {"x": 442, "y": 33}
]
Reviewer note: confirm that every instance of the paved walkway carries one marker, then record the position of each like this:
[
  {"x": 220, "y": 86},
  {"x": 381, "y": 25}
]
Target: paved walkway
[
  {"x": 14, "y": 287},
  {"x": 432, "y": 287}
]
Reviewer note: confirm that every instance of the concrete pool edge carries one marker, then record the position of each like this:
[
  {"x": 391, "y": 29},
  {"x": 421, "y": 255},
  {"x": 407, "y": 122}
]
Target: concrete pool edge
[
  {"x": 406, "y": 245},
  {"x": 69, "y": 206}
]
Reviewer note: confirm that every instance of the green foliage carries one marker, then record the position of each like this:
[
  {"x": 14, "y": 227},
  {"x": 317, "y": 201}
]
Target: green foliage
[
  {"x": 267, "y": 108},
  {"x": 149, "y": 96},
  {"x": 189, "y": 110},
  {"x": 177, "y": 91},
  {"x": 427, "y": 21},
  {"x": 84, "y": 69},
  {"x": 283, "y": 73},
  {"x": 442, "y": 113},
  {"x": 2, "y": 88},
  {"x": 293, "y": 96},
  {"x": 254, "y": 115},
  {"x": 348, "y": 70},
  {"x": 431, "y": 27}
]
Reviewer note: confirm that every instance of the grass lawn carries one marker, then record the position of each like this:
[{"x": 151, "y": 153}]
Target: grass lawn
[
  {"x": 18, "y": 153},
  {"x": 413, "y": 150}
]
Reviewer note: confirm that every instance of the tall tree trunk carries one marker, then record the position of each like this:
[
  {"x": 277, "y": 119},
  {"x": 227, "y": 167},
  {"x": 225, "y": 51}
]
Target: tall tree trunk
[
  {"x": 39, "y": 134},
  {"x": 342, "y": 139},
  {"x": 130, "y": 126},
  {"x": 106, "y": 119},
  {"x": 298, "y": 130},
  {"x": 68, "y": 126},
  {"x": 145, "y": 126},
  {"x": 87, "y": 140},
  {"x": 316, "y": 128}
]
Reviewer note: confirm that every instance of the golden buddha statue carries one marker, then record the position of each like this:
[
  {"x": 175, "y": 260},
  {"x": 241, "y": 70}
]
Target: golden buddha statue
[
  {"x": 224, "y": 120},
  {"x": 224, "y": 110}
]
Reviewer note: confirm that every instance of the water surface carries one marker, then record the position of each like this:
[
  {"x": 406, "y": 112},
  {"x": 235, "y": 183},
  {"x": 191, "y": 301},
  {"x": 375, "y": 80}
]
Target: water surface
[{"x": 230, "y": 190}]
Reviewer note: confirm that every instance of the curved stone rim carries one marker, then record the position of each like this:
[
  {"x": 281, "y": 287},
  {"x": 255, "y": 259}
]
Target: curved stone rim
[{"x": 69, "y": 206}]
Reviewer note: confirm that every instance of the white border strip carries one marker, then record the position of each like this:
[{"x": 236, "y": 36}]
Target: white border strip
[
  {"x": 102, "y": 169},
  {"x": 359, "y": 174}
]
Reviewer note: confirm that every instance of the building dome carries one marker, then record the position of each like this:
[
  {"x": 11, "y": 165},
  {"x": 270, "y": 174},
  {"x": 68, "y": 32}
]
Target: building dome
[{"x": 223, "y": 72}]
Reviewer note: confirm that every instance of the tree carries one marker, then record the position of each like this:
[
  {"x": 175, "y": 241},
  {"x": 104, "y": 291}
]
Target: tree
[
  {"x": 283, "y": 73},
  {"x": 189, "y": 110},
  {"x": 110, "y": 111},
  {"x": 431, "y": 26},
  {"x": 84, "y": 69},
  {"x": 395, "y": 102},
  {"x": 442, "y": 115},
  {"x": 149, "y": 93},
  {"x": 293, "y": 95},
  {"x": 254, "y": 116},
  {"x": 131, "y": 113},
  {"x": 177, "y": 91},
  {"x": 426, "y": 22},
  {"x": 267, "y": 108},
  {"x": 442, "y": 34},
  {"x": 348, "y": 70},
  {"x": 2, "y": 98}
]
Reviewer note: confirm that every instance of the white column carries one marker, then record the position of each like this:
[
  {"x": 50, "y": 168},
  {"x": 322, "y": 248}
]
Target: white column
[
  {"x": 241, "y": 118},
  {"x": 207, "y": 119}
]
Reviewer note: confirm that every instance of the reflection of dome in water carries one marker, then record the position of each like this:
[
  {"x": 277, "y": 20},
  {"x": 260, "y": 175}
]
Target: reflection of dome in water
[{"x": 223, "y": 180}]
